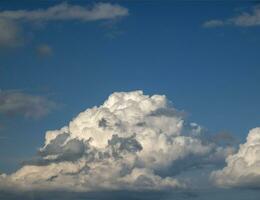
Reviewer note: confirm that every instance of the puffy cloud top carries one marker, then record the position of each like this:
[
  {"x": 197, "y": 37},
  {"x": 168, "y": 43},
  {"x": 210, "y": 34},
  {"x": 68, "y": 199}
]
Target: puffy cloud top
[
  {"x": 126, "y": 143},
  {"x": 243, "y": 168}
]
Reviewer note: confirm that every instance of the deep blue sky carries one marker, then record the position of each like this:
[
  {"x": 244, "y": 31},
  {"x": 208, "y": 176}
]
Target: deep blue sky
[{"x": 161, "y": 47}]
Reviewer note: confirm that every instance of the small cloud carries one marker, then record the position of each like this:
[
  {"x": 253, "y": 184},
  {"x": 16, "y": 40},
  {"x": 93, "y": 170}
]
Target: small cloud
[
  {"x": 213, "y": 23},
  {"x": 15, "y": 103},
  {"x": 112, "y": 30},
  {"x": 224, "y": 138},
  {"x": 244, "y": 19},
  {"x": 10, "y": 34},
  {"x": 44, "y": 50}
]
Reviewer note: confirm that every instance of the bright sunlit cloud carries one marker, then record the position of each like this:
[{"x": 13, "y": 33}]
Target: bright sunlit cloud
[{"x": 129, "y": 142}]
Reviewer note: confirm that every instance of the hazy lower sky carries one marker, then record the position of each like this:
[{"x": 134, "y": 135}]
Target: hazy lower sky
[{"x": 58, "y": 58}]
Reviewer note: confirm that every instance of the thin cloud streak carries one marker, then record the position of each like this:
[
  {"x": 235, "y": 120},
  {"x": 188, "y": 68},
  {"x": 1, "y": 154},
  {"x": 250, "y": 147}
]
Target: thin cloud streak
[
  {"x": 64, "y": 12},
  {"x": 10, "y": 20},
  {"x": 245, "y": 19}
]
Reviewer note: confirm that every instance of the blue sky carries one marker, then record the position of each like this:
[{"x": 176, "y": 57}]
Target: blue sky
[{"x": 212, "y": 73}]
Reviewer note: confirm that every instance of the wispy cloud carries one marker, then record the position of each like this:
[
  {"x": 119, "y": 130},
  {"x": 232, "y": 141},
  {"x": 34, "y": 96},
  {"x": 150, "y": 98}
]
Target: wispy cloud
[
  {"x": 213, "y": 23},
  {"x": 44, "y": 50},
  {"x": 66, "y": 11},
  {"x": 244, "y": 19},
  {"x": 15, "y": 103},
  {"x": 10, "y": 32}
]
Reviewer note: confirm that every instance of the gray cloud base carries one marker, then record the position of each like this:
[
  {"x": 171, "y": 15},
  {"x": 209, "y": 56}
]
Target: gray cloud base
[{"x": 14, "y": 102}]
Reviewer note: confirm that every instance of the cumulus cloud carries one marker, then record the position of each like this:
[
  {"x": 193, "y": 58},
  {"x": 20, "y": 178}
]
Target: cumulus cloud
[
  {"x": 245, "y": 19},
  {"x": 243, "y": 168},
  {"x": 13, "y": 102},
  {"x": 10, "y": 34},
  {"x": 64, "y": 11},
  {"x": 44, "y": 50},
  {"x": 129, "y": 142}
]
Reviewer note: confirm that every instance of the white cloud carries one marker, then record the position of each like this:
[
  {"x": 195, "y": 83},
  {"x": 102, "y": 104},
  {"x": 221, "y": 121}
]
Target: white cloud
[
  {"x": 10, "y": 34},
  {"x": 14, "y": 102},
  {"x": 64, "y": 11},
  {"x": 243, "y": 168},
  {"x": 126, "y": 143},
  {"x": 245, "y": 19}
]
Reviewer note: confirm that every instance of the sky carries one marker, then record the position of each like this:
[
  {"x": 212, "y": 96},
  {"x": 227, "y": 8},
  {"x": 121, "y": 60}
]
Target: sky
[{"x": 59, "y": 58}]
